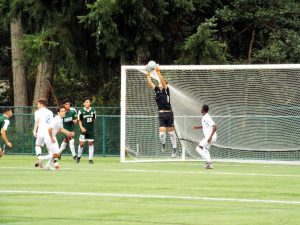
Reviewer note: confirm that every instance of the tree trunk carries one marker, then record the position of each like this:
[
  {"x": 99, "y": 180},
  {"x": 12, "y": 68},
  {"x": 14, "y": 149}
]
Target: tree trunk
[
  {"x": 251, "y": 46},
  {"x": 42, "y": 84},
  {"x": 19, "y": 73}
]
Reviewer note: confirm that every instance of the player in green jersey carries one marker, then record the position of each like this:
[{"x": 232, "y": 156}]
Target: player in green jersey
[
  {"x": 86, "y": 116},
  {"x": 4, "y": 123},
  {"x": 69, "y": 122}
]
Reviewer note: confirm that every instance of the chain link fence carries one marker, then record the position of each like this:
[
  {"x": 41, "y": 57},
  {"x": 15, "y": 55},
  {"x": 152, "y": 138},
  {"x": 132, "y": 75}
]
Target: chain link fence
[{"x": 106, "y": 130}]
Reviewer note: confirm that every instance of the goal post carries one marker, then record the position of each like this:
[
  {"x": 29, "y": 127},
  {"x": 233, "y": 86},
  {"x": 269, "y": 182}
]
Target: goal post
[{"x": 256, "y": 109}]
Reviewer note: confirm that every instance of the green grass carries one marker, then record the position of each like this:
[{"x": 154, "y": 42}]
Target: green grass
[{"x": 108, "y": 176}]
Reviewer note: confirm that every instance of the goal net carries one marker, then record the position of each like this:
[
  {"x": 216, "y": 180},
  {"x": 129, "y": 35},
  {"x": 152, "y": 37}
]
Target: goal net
[{"x": 256, "y": 109}]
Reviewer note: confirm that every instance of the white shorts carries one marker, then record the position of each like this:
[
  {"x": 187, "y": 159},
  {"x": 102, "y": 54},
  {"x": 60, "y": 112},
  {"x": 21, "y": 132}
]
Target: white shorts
[
  {"x": 40, "y": 140},
  {"x": 83, "y": 138},
  {"x": 203, "y": 143},
  {"x": 52, "y": 147}
]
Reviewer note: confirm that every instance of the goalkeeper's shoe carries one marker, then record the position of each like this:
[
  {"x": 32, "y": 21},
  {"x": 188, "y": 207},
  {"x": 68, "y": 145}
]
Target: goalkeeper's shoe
[
  {"x": 163, "y": 147},
  {"x": 78, "y": 160},
  {"x": 174, "y": 152}
]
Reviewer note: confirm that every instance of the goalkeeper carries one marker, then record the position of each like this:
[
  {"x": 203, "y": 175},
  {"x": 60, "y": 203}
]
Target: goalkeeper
[{"x": 166, "y": 116}]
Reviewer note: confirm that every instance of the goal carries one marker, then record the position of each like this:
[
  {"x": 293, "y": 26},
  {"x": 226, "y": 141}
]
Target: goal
[{"x": 256, "y": 109}]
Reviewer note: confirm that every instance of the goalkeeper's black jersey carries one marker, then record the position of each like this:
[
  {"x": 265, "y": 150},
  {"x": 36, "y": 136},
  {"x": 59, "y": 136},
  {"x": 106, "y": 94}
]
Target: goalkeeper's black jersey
[{"x": 162, "y": 98}]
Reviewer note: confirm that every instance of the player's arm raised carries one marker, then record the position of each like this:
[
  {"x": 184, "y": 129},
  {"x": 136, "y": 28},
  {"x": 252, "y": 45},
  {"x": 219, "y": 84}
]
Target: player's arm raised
[
  {"x": 160, "y": 77},
  {"x": 150, "y": 83}
]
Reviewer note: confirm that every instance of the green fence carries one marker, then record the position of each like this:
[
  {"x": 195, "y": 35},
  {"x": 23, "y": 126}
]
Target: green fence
[{"x": 106, "y": 129}]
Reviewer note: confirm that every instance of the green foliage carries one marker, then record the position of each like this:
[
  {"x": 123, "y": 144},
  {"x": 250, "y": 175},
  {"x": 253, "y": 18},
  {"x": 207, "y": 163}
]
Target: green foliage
[
  {"x": 262, "y": 31},
  {"x": 202, "y": 47}
]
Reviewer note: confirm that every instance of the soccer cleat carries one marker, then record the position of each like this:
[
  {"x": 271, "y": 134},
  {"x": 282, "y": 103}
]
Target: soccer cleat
[
  {"x": 78, "y": 159},
  {"x": 39, "y": 162},
  {"x": 56, "y": 166},
  {"x": 174, "y": 152},
  {"x": 163, "y": 147},
  {"x": 208, "y": 165},
  {"x": 91, "y": 161},
  {"x": 75, "y": 157}
]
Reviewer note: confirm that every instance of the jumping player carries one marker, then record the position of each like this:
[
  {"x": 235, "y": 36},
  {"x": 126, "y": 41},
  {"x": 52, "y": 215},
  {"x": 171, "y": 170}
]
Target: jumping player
[
  {"x": 166, "y": 116},
  {"x": 210, "y": 136}
]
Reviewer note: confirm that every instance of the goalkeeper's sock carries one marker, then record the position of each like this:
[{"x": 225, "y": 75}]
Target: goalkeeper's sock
[
  {"x": 38, "y": 150},
  {"x": 91, "y": 152},
  {"x": 162, "y": 136},
  {"x": 173, "y": 139},
  {"x": 62, "y": 146},
  {"x": 79, "y": 151},
  {"x": 202, "y": 153},
  {"x": 72, "y": 147},
  {"x": 207, "y": 154}
]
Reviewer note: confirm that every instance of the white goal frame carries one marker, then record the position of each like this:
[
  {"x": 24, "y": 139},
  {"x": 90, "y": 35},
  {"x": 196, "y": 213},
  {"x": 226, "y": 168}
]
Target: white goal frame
[{"x": 184, "y": 67}]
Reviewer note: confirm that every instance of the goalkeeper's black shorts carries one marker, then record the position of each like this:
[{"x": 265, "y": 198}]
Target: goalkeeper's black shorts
[{"x": 166, "y": 119}]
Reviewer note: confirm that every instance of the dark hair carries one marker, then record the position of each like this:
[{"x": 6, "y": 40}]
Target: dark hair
[
  {"x": 43, "y": 101},
  {"x": 205, "y": 108},
  {"x": 59, "y": 108},
  {"x": 67, "y": 100},
  {"x": 6, "y": 109},
  {"x": 86, "y": 98}
]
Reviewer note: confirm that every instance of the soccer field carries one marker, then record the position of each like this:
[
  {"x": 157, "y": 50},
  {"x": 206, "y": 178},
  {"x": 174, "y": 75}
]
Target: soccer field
[{"x": 109, "y": 192}]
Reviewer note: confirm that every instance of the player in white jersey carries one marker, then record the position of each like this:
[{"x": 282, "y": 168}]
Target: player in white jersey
[
  {"x": 210, "y": 136},
  {"x": 55, "y": 127},
  {"x": 42, "y": 120}
]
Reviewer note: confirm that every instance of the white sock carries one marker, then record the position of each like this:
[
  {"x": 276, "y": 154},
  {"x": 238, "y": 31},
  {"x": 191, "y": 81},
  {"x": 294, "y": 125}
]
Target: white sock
[
  {"x": 38, "y": 150},
  {"x": 202, "y": 153},
  {"x": 173, "y": 139},
  {"x": 62, "y": 146},
  {"x": 80, "y": 151},
  {"x": 162, "y": 136},
  {"x": 72, "y": 147},
  {"x": 91, "y": 152},
  {"x": 46, "y": 157},
  {"x": 207, "y": 154}
]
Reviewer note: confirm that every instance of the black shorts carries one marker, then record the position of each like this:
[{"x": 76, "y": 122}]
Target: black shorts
[{"x": 166, "y": 119}]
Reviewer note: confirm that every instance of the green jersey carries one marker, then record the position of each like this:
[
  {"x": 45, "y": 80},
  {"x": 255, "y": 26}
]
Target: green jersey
[
  {"x": 68, "y": 119},
  {"x": 4, "y": 122},
  {"x": 87, "y": 118}
]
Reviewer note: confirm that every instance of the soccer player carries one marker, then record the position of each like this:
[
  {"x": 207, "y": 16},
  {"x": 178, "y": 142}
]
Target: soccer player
[
  {"x": 166, "y": 116},
  {"x": 69, "y": 122},
  {"x": 210, "y": 136},
  {"x": 86, "y": 118},
  {"x": 42, "y": 120},
  {"x": 4, "y": 123},
  {"x": 55, "y": 126}
]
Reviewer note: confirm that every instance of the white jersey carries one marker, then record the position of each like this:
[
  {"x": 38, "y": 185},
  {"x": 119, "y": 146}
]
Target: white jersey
[
  {"x": 207, "y": 125},
  {"x": 43, "y": 117},
  {"x": 56, "y": 125}
]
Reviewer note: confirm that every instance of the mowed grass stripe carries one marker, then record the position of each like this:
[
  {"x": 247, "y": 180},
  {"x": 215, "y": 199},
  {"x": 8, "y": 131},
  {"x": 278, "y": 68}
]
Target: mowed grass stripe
[{"x": 148, "y": 196}]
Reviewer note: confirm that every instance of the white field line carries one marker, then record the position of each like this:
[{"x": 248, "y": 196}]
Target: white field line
[
  {"x": 143, "y": 196},
  {"x": 164, "y": 172}
]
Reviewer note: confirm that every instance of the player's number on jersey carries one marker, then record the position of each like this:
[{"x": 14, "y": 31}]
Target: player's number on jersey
[
  {"x": 89, "y": 120},
  {"x": 48, "y": 119}
]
